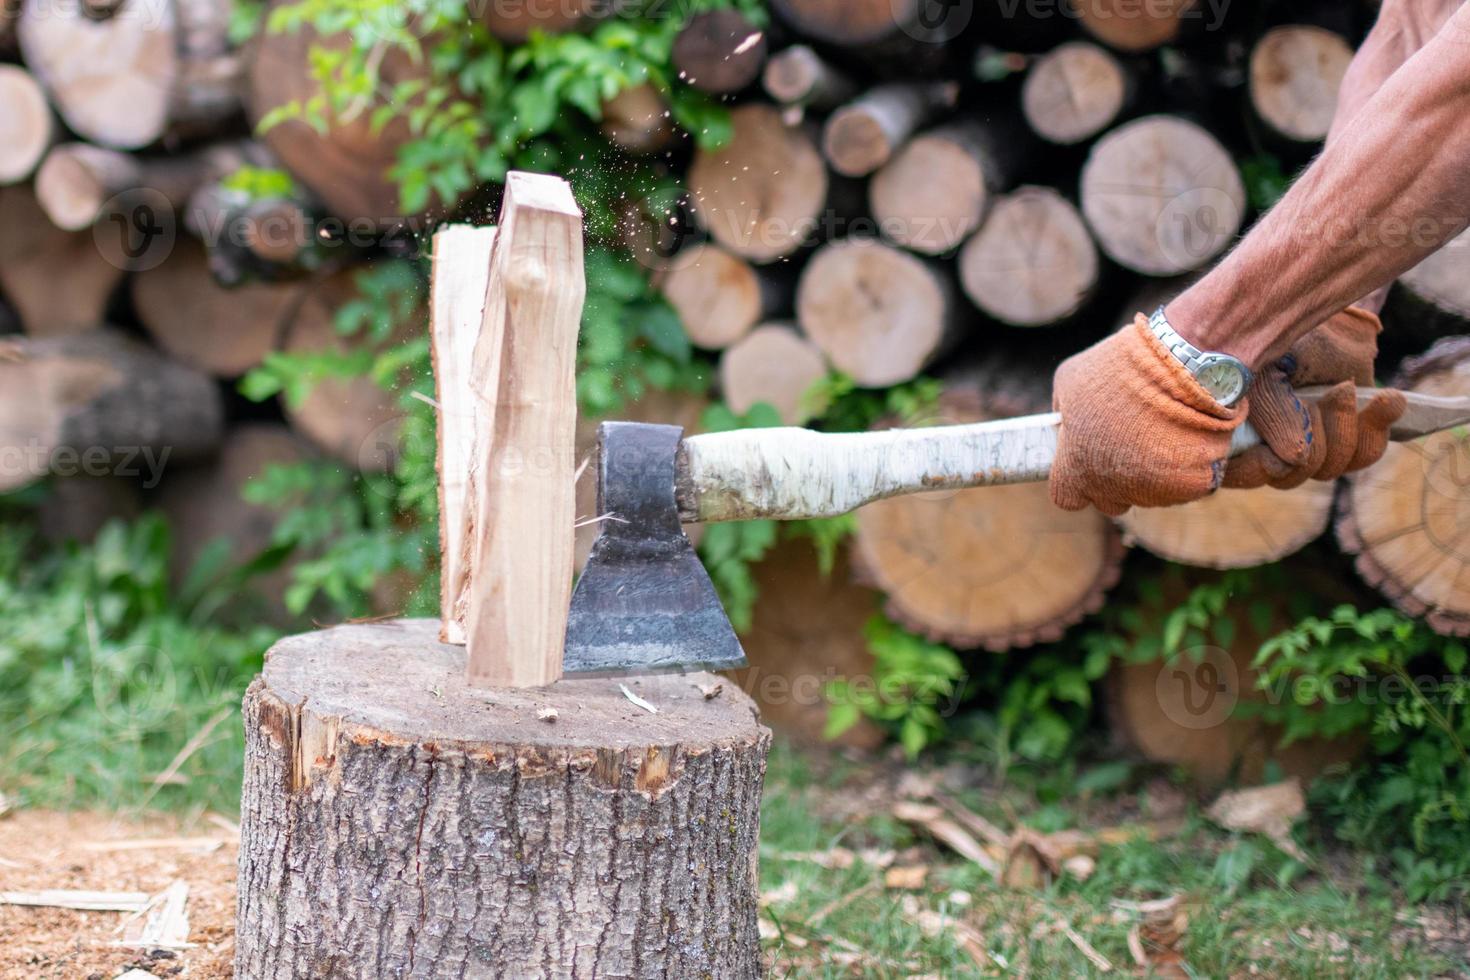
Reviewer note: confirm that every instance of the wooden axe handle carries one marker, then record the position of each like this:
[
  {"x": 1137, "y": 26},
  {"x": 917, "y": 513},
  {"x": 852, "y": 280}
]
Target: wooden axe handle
[{"x": 796, "y": 474}]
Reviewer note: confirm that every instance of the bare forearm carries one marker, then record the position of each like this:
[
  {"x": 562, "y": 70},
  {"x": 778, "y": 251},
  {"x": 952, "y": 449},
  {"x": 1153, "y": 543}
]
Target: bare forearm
[{"x": 1392, "y": 186}]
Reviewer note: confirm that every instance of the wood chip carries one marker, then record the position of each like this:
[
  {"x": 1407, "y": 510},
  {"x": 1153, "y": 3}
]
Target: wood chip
[
  {"x": 637, "y": 700},
  {"x": 167, "y": 925},
  {"x": 907, "y": 878},
  {"x": 547, "y": 714},
  {"x": 933, "y": 820},
  {"x": 1267, "y": 810},
  {"x": 710, "y": 691},
  {"x": 932, "y": 924},
  {"x": 1079, "y": 866},
  {"x": 85, "y": 901},
  {"x": 972, "y": 821},
  {"x": 1103, "y": 964},
  {"x": 1154, "y": 938}
]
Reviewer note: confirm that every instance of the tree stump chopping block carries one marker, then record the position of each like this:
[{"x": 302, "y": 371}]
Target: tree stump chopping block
[{"x": 396, "y": 823}]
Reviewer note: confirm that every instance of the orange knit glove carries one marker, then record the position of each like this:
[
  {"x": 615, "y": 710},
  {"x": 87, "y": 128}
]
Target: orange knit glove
[
  {"x": 1325, "y": 440},
  {"x": 1137, "y": 429}
]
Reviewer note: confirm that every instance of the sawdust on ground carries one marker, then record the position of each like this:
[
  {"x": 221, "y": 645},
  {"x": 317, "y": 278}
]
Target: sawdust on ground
[{"x": 43, "y": 850}]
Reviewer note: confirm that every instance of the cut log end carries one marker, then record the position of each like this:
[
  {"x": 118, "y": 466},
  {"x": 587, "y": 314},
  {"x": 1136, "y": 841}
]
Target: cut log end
[
  {"x": 637, "y": 120},
  {"x": 1406, "y": 517},
  {"x": 1033, "y": 262},
  {"x": 26, "y": 124},
  {"x": 718, "y": 296},
  {"x": 719, "y": 51},
  {"x": 798, "y": 76},
  {"x": 1162, "y": 195},
  {"x": 772, "y": 365},
  {"x": 58, "y": 281},
  {"x": 848, "y": 22},
  {"x": 1442, "y": 281},
  {"x": 1073, "y": 93},
  {"x": 369, "y": 734},
  {"x": 935, "y": 191},
  {"x": 1233, "y": 528},
  {"x": 1132, "y": 26},
  {"x": 879, "y": 314},
  {"x": 1295, "y": 74},
  {"x": 863, "y": 135}
]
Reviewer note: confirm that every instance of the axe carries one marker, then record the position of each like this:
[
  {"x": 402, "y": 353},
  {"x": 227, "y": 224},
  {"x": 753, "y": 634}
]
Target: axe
[{"x": 644, "y": 602}]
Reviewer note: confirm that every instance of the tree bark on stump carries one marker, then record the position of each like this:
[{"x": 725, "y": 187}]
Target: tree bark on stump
[{"x": 397, "y": 823}]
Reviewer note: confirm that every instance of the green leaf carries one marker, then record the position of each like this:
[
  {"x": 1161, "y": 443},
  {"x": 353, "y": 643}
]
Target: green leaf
[{"x": 660, "y": 326}]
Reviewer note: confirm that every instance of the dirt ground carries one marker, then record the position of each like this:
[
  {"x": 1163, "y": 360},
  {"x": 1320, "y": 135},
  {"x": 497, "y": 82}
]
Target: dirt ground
[{"x": 44, "y": 850}]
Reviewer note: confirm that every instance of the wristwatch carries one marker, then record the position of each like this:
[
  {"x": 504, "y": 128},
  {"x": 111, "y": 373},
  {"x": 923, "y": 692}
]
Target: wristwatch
[{"x": 1226, "y": 378}]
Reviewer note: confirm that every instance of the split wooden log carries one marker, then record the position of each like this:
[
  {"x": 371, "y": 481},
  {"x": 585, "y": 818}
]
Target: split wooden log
[
  {"x": 865, "y": 133},
  {"x": 354, "y": 419},
  {"x": 1074, "y": 92},
  {"x": 205, "y": 505},
  {"x": 438, "y": 830},
  {"x": 347, "y": 166},
  {"x": 1295, "y": 73},
  {"x": 809, "y": 630},
  {"x": 719, "y": 296},
  {"x": 1406, "y": 517},
  {"x": 798, "y": 76},
  {"x": 761, "y": 194},
  {"x": 77, "y": 180},
  {"x": 997, "y": 568},
  {"x": 522, "y": 497},
  {"x": 126, "y": 74},
  {"x": 1182, "y": 713},
  {"x": 774, "y": 365},
  {"x": 879, "y": 314},
  {"x": 460, "y": 279},
  {"x": 512, "y": 21},
  {"x": 57, "y": 281},
  {"x": 637, "y": 120},
  {"x": 1033, "y": 262},
  {"x": 1134, "y": 25},
  {"x": 719, "y": 51},
  {"x": 938, "y": 188},
  {"x": 1162, "y": 195},
  {"x": 223, "y": 331},
  {"x": 27, "y": 126},
  {"x": 99, "y": 403},
  {"x": 1233, "y": 528}
]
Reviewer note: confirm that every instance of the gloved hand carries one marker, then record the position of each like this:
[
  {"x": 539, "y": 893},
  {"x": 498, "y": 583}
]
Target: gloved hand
[
  {"x": 1322, "y": 441},
  {"x": 1137, "y": 429}
]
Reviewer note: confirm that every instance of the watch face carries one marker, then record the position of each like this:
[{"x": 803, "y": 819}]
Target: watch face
[{"x": 1224, "y": 378}]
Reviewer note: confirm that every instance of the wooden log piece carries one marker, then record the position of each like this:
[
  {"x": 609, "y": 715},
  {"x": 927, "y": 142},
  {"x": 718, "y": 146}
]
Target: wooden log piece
[
  {"x": 761, "y": 193},
  {"x": 57, "y": 281},
  {"x": 354, "y": 419},
  {"x": 512, "y": 21},
  {"x": 522, "y": 496},
  {"x": 808, "y": 631},
  {"x": 866, "y": 23},
  {"x": 460, "y": 278},
  {"x": 1295, "y": 73},
  {"x": 125, "y": 75},
  {"x": 9, "y": 18},
  {"x": 938, "y": 188},
  {"x": 719, "y": 51},
  {"x": 26, "y": 124},
  {"x": 774, "y": 365},
  {"x": 1233, "y": 528},
  {"x": 1033, "y": 262},
  {"x": 1162, "y": 195},
  {"x": 99, "y": 403},
  {"x": 717, "y": 295},
  {"x": 1133, "y": 25},
  {"x": 637, "y": 120},
  {"x": 270, "y": 237},
  {"x": 798, "y": 76},
  {"x": 1074, "y": 92},
  {"x": 879, "y": 314},
  {"x": 1433, "y": 298},
  {"x": 76, "y": 180},
  {"x": 399, "y": 823},
  {"x": 864, "y": 134},
  {"x": 223, "y": 331},
  {"x": 1405, "y": 518},
  {"x": 997, "y": 568}
]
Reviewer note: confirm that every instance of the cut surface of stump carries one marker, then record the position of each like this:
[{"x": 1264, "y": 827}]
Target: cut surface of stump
[
  {"x": 26, "y": 125},
  {"x": 996, "y": 567},
  {"x": 1295, "y": 74},
  {"x": 775, "y": 365},
  {"x": 879, "y": 314},
  {"x": 1162, "y": 195},
  {"x": 1033, "y": 262},
  {"x": 1407, "y": 517},
  {"x": 1233, "y": 528},
  {"x": 1073, "y": 92},
  {"x": 397, "y": 823},
  {"x": 761, "y": 193}
]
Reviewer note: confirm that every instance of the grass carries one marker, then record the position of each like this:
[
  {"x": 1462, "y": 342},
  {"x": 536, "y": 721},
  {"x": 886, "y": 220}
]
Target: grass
[{"x": 1252, "y": 910}]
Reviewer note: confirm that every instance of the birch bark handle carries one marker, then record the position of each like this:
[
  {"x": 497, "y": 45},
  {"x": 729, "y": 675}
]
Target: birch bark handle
[{"x": 798, "y": 474}]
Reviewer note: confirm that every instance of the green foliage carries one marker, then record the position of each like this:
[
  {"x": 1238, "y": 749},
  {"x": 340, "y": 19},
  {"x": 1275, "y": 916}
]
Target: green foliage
[
  {"x": 260, "y": 182},
  {"x": 1265, "y": 183},
  {"x": 107, "y": 671},
  {"x": 914, "y": 687},
  {"x": 842, "y": 406}
]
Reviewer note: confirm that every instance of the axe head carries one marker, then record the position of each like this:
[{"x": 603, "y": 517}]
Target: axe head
[{"x": 644, "y": 603}]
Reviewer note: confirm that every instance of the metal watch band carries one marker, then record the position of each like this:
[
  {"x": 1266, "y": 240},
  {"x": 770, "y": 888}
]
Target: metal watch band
[{"x": 1186, "y": 353}]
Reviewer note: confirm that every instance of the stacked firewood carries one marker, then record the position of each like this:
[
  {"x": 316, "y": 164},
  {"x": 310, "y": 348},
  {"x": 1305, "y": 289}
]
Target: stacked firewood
[{"x": 964, "y": 191}]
